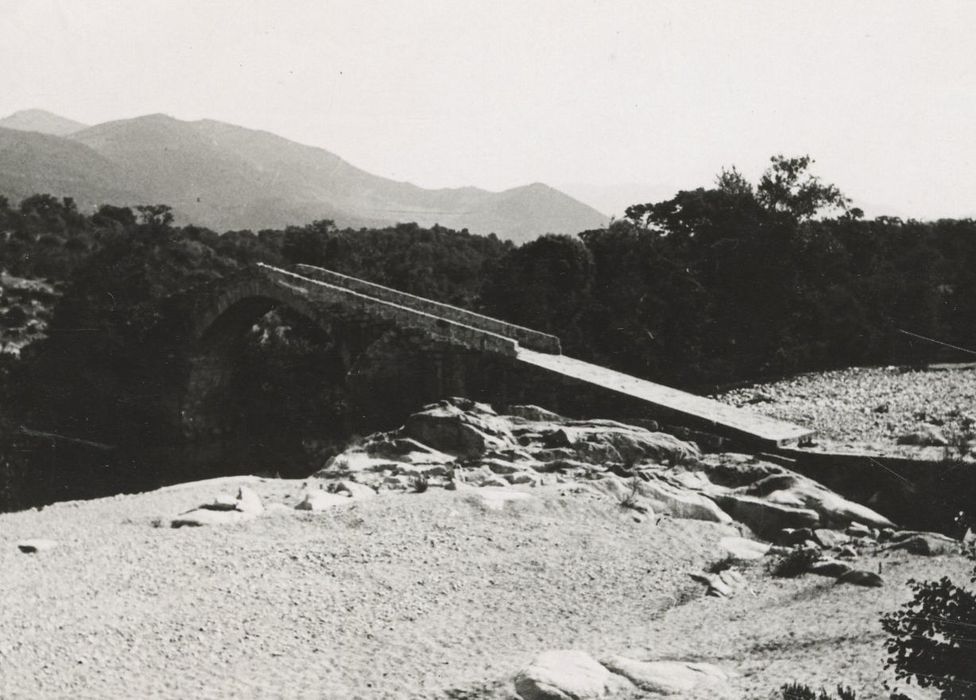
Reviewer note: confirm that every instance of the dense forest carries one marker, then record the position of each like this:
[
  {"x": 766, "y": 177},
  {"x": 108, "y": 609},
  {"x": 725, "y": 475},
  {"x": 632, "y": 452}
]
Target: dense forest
[{"x": 725, "y": 283}]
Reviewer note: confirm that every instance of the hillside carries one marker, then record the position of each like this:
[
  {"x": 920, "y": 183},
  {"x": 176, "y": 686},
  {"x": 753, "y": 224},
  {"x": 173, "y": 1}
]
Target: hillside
[
  {"x": 42, "y": 122},
  {"x": 32, "y": 163},
  {"x": 227, "y": 177}
]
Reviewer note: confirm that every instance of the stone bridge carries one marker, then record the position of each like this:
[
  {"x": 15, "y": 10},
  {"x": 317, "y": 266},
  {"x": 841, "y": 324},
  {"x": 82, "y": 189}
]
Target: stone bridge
[{"x": 417, "y": 350}]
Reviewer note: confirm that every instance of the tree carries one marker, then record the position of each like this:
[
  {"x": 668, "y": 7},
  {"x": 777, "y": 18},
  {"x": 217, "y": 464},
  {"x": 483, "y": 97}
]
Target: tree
[
  {"x": 789, "y": 188},
  {"x": 121, "y": 215},
  {"x": 155, "y": 215},
  {"x": 545, "y": 285}
]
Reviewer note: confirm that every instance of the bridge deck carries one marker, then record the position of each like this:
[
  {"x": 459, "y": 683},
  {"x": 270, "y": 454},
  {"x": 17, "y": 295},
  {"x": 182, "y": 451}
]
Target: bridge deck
[{"x": 723, "y": 418}]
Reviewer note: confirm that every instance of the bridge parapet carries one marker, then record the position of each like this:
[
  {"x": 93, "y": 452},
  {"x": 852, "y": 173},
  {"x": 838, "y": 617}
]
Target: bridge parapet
[
  {"x": 317, "y": 291},
  {"x": 526, "y": 337}
]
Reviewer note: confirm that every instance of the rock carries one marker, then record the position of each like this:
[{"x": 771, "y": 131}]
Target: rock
[
  {"x": 199, "y": 517},
  {"x": 533, "y": 413},
  {"x": 733, "y": 469},
  {"x": 724, "y": 584},
  {"x": 351, "y": 489},
  {"x": 829, "y": 567},
  {"x": 554, "y": 454},
  {"x": 528, "y": 478},
  {"x": 680, "y": 503},
  {"x": 858, "y": 530},
  {"x": 672, "y": 677},
  {"x": 791, "y": 536},
  {"x": 926, "y": 436},
  {"x": 495, "y": 498},
  {"x": 858, "y": 577},
  {"x": 763, "y": 517},
  {"x": 925, "y": 543},
  {"x": 36, "y": 545},
  {"x": 564, "y": 675},
  {"x": 248, "y": 501},
  {"x": 790, "y": 489},
  {"x": 459, "y": 427},
  {"x": 829, "y": 539},
  {"x": 321, "y": 500},
  {"x": 247, "y": 505},
  {"x": 743, "y": 549},
  {"x": 848, "y": 552},
  {"x": 501, "y": 466},
  {"x": 223, "y": 501}
]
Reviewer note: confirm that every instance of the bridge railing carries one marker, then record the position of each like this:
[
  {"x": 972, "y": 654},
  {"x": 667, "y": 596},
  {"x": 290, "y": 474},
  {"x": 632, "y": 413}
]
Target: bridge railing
[
  {"x": 526, "y": 337},
  {"x": 454, "y": 332}
]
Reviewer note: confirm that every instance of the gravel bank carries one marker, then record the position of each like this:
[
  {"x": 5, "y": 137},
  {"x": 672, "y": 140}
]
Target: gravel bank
[{"x": 867, "y": 405}]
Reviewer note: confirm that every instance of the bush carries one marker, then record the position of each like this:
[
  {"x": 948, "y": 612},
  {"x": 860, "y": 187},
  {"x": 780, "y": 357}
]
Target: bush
[
  {"x": 932, "y": 638},
  {"x": 794, "y": 564},
  {"x": 796, "y": 691}
]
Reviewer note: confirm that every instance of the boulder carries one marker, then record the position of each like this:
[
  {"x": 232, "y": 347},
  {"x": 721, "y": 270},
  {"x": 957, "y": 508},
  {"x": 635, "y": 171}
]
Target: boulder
[
  {"x": 681, "y": 503},
  {"x": 351, "y": 489},
  {"x": 857, "y": 529},
  {"x": 829, "y": 567},
  {"x": 564, "y": 674},
  {"x": 465, "y": 432},
  {"x": 742, "y": 549},
  {"x": 247, "y": 505},
  {"x": 858, "y": 577},
  {"x": 36, "y": 545},
  {"x": 829, "y": 539},
  {"x": 682, "y": 678},
  {"x": 734, "y": 470},
  {"x": 925, "y": 543},
  {"x": 495, "y": 498},
  {"x": 321, "y": 500},
  {"x": 794, "y": 490},
  {"x": 199, "y": 517},
  {"x": 724, "y": 584},
  {"x": 248, "y": 501},
  {"x": 533, "y": 413},
  {"x": 526, "y": 478},
  {"x": 791, "y": 536},
  {"x": 764, "y": 517}
]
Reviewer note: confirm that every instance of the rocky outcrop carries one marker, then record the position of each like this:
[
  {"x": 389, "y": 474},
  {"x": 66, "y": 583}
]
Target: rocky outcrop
[{"x": 462, "y": 442}]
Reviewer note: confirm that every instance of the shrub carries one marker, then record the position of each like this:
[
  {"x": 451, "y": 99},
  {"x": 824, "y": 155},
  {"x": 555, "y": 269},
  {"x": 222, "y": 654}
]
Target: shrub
[
  {"x": 932, "y": 638},
  {"x": 794, "y": 564},
  {"x": 796, "y": 691}
]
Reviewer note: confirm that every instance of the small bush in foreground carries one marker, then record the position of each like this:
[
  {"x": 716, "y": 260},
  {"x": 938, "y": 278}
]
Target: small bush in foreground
[
  {"x": 932, "y": 638},
  {"x": 797, "y": 691},
  {"x": 794, "y": 564}
]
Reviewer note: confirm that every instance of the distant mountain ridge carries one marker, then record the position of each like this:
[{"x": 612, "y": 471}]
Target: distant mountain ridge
[
  {"x": 42, "y": 122},
  {"x": 227, "y": 177}
]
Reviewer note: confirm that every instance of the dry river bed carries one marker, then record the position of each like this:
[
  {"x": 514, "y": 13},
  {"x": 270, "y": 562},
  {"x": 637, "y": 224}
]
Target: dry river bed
[
  {"x": 868, "y": 405},
  {"x": 431, "y": 595}
]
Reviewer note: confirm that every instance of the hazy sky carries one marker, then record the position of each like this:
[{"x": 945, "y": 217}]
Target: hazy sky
[{"x": 624, "y": 97}]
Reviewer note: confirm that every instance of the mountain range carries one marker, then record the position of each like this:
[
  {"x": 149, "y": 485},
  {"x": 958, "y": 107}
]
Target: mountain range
[{"x": 227, "y": 177}]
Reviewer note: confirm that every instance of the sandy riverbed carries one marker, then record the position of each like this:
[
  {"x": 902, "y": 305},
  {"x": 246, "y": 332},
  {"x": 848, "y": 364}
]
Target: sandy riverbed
[{"x": 416, "y": 595}]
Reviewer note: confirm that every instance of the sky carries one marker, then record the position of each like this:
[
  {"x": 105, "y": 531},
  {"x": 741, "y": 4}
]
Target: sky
[{"x": 604, "y": 99}]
